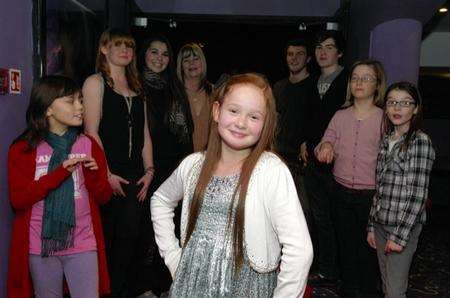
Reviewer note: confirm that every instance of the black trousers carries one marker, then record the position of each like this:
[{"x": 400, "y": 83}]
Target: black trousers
[
  {"x": 121, "y": 218},
  {"x": 151, "y": 272},
  {"x": 318, "y": 185},
  {"x": 298, "y": 174},
  {"x": 359, "y": 265}
]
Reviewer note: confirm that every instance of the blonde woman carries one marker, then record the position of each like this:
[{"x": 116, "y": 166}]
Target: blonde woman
[{"x": 191, "y": 71}]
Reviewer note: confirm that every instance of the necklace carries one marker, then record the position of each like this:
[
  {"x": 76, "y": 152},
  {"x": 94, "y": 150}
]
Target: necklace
[{"x": 129, "y": 102}]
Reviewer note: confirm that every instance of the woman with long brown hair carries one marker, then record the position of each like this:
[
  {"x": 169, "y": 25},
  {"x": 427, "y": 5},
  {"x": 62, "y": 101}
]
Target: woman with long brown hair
[
  {"x": 115, "y": 116},
  {"x": 241, "y": 217}
]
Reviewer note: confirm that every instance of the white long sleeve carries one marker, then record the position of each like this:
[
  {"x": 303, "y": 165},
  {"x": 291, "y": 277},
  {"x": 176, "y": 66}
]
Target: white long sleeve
[
  {"x": 275, "y": 226},
  {"x": 290, "y": 226},
  {"x": 163, "y": 203}
]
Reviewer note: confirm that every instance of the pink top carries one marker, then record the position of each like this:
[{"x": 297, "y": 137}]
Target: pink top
[
  {"x": 355, "y": 143},
  {"x": 84, "y": 239}
]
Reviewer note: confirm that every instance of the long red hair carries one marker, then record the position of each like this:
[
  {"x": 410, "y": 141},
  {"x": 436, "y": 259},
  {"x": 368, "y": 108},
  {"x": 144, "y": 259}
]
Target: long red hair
[
  {"x": 213, "y": 153},
  {"x": 101, "y": 65}
]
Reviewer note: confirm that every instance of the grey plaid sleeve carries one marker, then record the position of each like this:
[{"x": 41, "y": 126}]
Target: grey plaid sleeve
[
  {"x": 417, "y": 179},
  {"x": 373, "y": 209},
  {"x": 372, "y": 212}
]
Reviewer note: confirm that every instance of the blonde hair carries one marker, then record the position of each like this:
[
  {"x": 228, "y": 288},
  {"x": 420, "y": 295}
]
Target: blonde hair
[
  {"x": 101, "y": 65},
  {"x": 186, "y": 51},
  {"x": 377, "y": 67},
  {"x": 213, "y": 153}
]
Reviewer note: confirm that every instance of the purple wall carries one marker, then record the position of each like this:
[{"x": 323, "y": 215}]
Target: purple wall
[
  {"x": 366, "y": 15},
  {"x": 16, "y": 50},
  {"x": 394, "y": 39}
]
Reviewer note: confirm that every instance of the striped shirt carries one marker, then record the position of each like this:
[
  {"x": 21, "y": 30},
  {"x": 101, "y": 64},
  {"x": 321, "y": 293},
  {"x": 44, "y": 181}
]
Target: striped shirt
[{"x": 402, "y": 179}]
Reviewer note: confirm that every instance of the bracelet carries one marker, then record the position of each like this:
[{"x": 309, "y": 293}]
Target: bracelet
[{"x": 150, "y": 170}]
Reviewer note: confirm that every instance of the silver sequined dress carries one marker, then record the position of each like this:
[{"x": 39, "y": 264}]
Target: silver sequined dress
[{"x": 206, "y": 266}]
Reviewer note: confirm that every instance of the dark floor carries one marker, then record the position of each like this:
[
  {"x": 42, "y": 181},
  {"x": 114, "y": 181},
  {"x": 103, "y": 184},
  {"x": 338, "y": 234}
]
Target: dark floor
[{"x": 430, "y": 270}]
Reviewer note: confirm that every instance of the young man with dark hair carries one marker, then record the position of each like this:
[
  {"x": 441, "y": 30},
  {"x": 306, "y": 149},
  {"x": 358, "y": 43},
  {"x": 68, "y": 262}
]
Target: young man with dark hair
[
  {"x": 330, "y": 89},
  {"x": 292, "y": 95}
]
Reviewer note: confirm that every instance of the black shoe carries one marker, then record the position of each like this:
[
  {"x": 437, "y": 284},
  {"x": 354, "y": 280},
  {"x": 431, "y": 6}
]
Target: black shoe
[{"x": 320, "y": 279}]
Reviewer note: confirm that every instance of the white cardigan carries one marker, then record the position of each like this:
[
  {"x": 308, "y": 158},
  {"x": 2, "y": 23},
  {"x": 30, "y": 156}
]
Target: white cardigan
[{"x": 275, "y": 227}]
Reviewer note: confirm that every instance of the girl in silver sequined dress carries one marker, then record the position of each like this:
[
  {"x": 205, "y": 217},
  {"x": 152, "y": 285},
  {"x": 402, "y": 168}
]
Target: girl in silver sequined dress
[{"x": 243, "y": 232}]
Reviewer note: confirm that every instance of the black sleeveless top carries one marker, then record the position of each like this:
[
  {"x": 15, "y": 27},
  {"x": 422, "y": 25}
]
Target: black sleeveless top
[{"x": 115, "y": 133}]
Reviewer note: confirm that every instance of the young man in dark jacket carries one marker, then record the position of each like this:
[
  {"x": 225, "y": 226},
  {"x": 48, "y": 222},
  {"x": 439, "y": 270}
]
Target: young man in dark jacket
[{"x": 328, "y": 96}]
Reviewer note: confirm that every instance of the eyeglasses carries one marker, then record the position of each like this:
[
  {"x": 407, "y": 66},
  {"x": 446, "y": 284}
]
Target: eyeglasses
[
  {"x": 365, "y": 79},
  {"x": 400, "y": 103}
]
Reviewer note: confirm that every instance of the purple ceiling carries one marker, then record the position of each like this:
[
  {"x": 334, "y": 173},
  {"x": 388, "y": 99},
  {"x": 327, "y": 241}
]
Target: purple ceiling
[{"x": 300, "y": 8}]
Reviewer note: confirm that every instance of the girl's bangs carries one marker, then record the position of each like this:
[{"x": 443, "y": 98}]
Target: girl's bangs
[
  {"x": 119, "y": 40},
  {"x": 188, "y": 51},
  {"x": 68, "y": 89}
]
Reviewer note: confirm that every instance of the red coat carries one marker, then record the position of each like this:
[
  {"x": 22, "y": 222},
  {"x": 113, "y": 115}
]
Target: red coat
[{"x": 25, "y": 191}]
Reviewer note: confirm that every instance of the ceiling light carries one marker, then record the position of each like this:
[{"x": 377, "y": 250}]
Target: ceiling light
[
  {"x": 332, "y": 26},
  {"x": 443, "y": 9},
  {"x": 172, "y": 23},
  {"x": 140, "y": 22}
]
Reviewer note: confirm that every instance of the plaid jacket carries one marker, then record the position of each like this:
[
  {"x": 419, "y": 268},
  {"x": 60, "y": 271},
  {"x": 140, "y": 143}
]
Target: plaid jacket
[{"x": 402, "y": 179}]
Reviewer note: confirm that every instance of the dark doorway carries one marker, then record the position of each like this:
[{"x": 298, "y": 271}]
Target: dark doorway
[{"x": 232, "y": 46}]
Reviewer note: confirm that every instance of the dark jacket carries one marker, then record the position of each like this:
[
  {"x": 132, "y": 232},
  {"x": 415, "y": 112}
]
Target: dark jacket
[
  {"x": 321, "y": 110},
  {"x": 292, "y": 107}
]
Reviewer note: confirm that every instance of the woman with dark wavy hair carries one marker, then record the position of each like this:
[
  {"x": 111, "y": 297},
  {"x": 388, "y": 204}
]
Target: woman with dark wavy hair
[{"x": 171, "y": 128}]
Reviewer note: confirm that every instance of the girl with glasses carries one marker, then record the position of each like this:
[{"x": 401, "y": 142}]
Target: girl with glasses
[
  {"x": 403, "y": 170},
  {"x": 351, "y": 141}
]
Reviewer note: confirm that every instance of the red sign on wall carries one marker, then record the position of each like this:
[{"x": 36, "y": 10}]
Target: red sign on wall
[
  {"x": 15, "y": 84},
  {"x": 4, "y": 81}
]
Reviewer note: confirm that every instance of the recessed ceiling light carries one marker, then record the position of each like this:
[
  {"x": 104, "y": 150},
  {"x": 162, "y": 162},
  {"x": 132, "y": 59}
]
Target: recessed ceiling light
[{"x": 443, "y": 9}]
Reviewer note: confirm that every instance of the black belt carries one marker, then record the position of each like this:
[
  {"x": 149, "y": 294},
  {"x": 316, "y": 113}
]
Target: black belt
[{"x": 352, "y": 191}]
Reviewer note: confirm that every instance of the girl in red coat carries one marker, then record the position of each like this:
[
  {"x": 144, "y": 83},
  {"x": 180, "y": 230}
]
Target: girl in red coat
[{"x": 57, "y": 178}]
